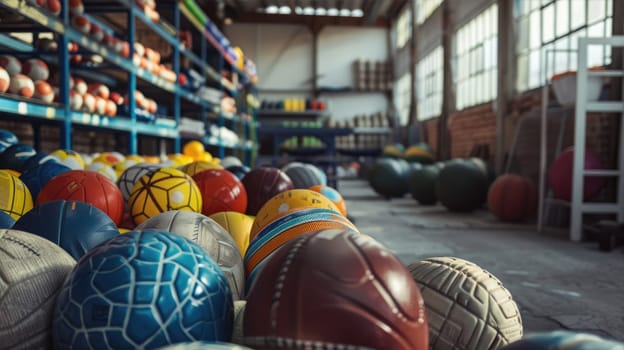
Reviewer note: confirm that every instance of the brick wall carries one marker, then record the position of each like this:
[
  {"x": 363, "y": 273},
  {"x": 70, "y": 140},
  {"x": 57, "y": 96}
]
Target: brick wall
[
  {"x": 471, "y": 127},
  {"x": 431, "y": 133}
]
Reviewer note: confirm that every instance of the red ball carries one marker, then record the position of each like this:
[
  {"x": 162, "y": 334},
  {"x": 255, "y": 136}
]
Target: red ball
[
  {"x": 263, "y": 184},
  {"x": 560, "y": 178},
  {"x": 85, "y": 186},
  {"x": 331, "y": 288},
  {"x": 512, "y": 197},
  {"x": 221, "y": 191}
]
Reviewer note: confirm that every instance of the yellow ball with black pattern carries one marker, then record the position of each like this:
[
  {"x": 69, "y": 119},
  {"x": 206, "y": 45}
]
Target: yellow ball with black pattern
[
  {"x": 163, "y": 190},
  {"x": 15, "y": 198},
  {"x": 196, "y": 167}
]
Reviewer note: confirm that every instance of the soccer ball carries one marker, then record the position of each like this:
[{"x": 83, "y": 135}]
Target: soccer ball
[
  {"x": 70, "y": 158},
  {"x": 131, "y": 175},
  {"x": 143, "y": 289},
  {"x": 16, "y": 196},
  {"x": 163, "y": 190},
  {"x": 209, "y": 235},
  {"x": 32, "y": 270},
  {"x": 463, "y": 298}
]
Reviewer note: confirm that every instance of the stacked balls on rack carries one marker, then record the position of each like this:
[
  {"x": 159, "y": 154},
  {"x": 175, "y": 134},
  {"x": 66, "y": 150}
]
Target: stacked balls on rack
[
  {"x": 27, "y": 78},
  {"x": 267, "y": 261}
]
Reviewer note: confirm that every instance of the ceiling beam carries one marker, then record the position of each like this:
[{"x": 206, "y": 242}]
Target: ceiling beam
[
  {"x": 375, "y": 11},
  {"x": 308, "y": 20}
]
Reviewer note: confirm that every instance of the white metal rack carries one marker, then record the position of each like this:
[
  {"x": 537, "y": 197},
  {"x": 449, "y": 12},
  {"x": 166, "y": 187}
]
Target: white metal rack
[{"x": 578, "y": 206}]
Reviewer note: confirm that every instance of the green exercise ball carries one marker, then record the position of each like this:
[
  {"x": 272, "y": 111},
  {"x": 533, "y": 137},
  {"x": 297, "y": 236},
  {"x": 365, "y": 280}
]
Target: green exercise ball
[
  {"x": 388, "y": 177},
  {"x": 421, "y": 184},
  {"x": 461, "y": 186}
]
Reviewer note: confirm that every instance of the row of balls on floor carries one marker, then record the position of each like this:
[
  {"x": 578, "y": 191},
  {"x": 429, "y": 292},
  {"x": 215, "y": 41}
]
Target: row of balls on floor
[{"x": 179, "y": 276}]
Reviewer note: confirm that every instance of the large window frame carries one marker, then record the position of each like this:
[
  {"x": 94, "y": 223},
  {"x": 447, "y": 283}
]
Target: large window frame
[
  {"x": 403, "y": 28},
  {"x": 429, "y": 84},
  {"x": 402, "y": 97},
  {"x": 424, "y": 9}
]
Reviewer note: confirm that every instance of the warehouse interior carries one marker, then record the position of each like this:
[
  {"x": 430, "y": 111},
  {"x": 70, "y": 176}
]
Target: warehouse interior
[{"x": 401, "y": 174}]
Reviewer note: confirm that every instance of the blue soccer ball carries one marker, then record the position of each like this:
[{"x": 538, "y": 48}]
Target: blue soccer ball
[
  {"x": 143, "y": 289},
  {"x": 7, "y": 139},
  {"x": 35, "y": 178},
  {"x": 74, "y": 226}
]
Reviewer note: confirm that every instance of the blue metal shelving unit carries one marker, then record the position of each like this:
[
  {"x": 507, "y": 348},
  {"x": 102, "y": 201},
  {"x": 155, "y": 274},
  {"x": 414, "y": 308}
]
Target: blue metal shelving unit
[{"x": 61, "y": 113}]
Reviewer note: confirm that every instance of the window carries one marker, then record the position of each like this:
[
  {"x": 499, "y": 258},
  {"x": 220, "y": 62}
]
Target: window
[
  {"x": 402, "y": 97},
  {"x": 403, "y": 28},
  {"x": 424, "y": 9},
  {"x": 555, "y": 26},
  {"x": 476, "y": 59},
  {"x": 429, "y": 80}
]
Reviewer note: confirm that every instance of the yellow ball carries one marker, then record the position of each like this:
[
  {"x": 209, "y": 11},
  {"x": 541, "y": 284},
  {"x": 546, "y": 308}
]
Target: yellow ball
[
  {"x": 151, "y": 159},
  {"x": 163, "y": 190},
  {"x": 69, "y": 158},
  {"x": 238, "y": 225},
  {"x": 107, "y": 158},
  {"x": 12, "y": 172},
  {"x": 281, "y": 203},
  {"x": 15, "y": 198},
  {"x": 135, "y": 158},
  {"x": 193, "y": 149},
  {"x": 197, "y": 167},
  {"x": 207, "y": 157},
  {"x": 123, "y": 230}
]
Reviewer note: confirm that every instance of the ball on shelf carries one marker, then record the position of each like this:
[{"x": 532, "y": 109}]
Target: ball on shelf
[
  {"x": 11, "y": 64},
  {"x": 139, "y": 49},
  {"x": 75, "y": 100},
  {"x": 163, "y": 190},
  {"x": 80, "y": 86},
  {"x": 74, "y": 226},
  {"x": 96, "y": 32},
  {"x": 76, "y": 7},
  {"x": 238, "y": 225},
  {"x": 99, "y": 89},
  {"x": 54, "y": 6},
  {"x": 81, "y": 23},
  {"x": 33, "y": 270},
  {"x": 5, "y": 80},
  {"x": 377, "y": 312},
  {"x": 210, "y": 236},
  {"x": 220, "y": 191},
  {"x": 70, "y": 158},
  {"x": 89, "y": 103},
  {"x": 7, "y": 139},
  {"x": 36, "y": 69},
  {"x": 131, "y": 175},
  {"x": 36, "y": 177},
  {"x": 486, "y": 312},
  {"x": 512, "y": 197},
  {"x": 17, "y": 199},
  {"x": 43, "y": 91},
  {"x": 161, "y": 271},
  {"x": 22, "y": 85},
  {"x": 111, "y": 108},
  {"x": 85, "y": 186},
  {"x": 100, "y": 105}
]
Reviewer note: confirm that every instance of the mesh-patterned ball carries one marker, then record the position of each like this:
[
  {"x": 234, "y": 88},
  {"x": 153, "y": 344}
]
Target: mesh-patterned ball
[
  {"x": 143, "y": 289},
  {"x": 221, "y": 191},
  {"x": 209, "y": 235},
  {"x": 463, "y": 299},
  {"x": 333, "y": 289},
  {"x": 74, "y": 226},
  {"x": 131, "y": 175},
  {"x": 32, "y": 271},
  {"x": 238, "y": 225},
  {"x": 70, "y": 158},
  {"x": 163, "y": 190},
  {"x": 15, "y": 198},
  {"x": 35, "y": 178},
  {"x": 85, "y": 186}
]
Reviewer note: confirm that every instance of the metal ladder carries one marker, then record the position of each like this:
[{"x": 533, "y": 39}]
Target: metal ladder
[{"x": 578, "y": 206}]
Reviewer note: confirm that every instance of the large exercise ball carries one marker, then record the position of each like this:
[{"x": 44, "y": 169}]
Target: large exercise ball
[
  {"x": 421, "y": 184},
  {"x": 387, "y": 177},
  {"x": 560, "y": 177},
  {"x": 419, "y": 153},
  {"x": 512, "y": 197},
  {"x": 461, "y": 186}
]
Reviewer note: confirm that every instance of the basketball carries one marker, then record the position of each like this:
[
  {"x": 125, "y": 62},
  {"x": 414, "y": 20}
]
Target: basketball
[
  {"x": 163, "y": 190},
  {"x": 291, "y": 224},
  {"x": 17, "y": 199},
  {"x": 263, "y": 184},
  {"x": 15, "y": 156},
  {"x": 359, "y": 306},
  {"x": 143, "y": 289},
  {"x": 485, "y": 312},
  {"x": 333, "y": 196},
  {"x": 35, "y": 178},
  {"x": 512, "y": 197},
  {"x": 130, "y": 176},
  {"x": 210, "y": 236},
  {"x": 238, "y": 225},
  {"x": 85, "y": 186},
  {"x": 220, "y": 191},
  {"x": 32, "y": 271},
  {"x": 74, "y": 226},
  {"x": 285, "y": 201},
  {"x": 560, "y": 176}
]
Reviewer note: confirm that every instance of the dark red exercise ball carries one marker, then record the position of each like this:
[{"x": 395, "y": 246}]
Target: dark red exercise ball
[
  {"x": 334, "y": 289},
  {"x": 221, "y": 191},
  {"x": 560, "y": 177},
  {"x": 85, "y": 186},
  {"x": 512, "y": 197},
  {"x": 263, "y": 184}
]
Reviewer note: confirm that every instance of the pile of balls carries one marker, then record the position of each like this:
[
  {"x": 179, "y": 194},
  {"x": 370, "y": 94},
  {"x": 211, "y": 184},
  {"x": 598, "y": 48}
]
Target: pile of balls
[{"x": 182, "y": 254}]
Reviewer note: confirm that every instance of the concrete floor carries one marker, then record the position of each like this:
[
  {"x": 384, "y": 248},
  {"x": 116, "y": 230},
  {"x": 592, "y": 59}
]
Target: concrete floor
[{"x": 557, "y": 284}]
